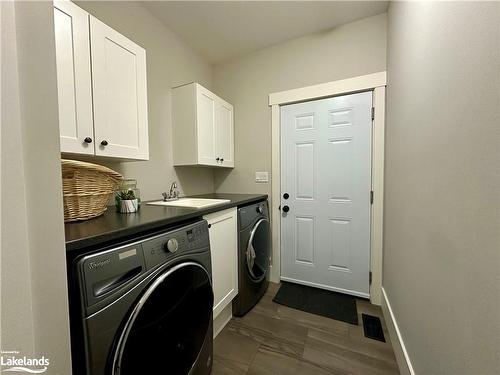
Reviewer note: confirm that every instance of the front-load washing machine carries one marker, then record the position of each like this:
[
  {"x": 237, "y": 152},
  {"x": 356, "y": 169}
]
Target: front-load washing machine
[
  {"x": 145, "y": 307},
  {"x": 254, "y": 252}
]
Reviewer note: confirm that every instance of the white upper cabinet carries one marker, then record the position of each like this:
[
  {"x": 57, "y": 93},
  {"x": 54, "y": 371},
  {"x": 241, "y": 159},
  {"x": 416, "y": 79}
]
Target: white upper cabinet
[
  {"x": 224, "y": 137},
  {"x": 120, "y": 94},
  {"x": 203, "y": 127},
  {"x": 102, "y": 87},
  {"x": 206, "y": 104},
  {"x": 74, "y": 78}
]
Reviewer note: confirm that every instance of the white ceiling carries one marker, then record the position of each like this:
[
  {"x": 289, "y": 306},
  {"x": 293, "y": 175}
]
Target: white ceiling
[{"x": 220, "y": 30}]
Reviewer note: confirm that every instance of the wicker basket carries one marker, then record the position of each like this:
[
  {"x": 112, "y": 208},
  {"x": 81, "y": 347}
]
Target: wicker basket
[{"x": 87, "y": 189}]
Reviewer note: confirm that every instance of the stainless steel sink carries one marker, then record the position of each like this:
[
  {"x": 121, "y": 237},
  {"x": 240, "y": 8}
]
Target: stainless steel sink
[{"x": 196, "y": 203}]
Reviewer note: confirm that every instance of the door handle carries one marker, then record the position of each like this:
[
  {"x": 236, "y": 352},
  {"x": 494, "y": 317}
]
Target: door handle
[{"x": 286, "y": 209}]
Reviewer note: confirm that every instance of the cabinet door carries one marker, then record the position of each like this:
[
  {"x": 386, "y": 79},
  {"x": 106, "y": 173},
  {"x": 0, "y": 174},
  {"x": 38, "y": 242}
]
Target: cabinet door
[
  {"x": 224, "y": 250},
  {"x": 225, "y": 134},
  {"x": 71, "y": 25},
  {"x": 119, "y": 94},
  {"x": 205, "y": 121}
]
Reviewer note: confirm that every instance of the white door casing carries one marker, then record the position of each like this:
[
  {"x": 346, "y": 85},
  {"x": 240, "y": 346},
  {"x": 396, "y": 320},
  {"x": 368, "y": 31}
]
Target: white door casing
[
  {"x": 326, "y": 170},
  {"x": 119, "y": 94},
  {"x": 73, "y": 78}
]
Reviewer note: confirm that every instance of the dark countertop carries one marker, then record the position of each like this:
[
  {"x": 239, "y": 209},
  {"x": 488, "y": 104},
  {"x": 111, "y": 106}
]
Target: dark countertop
[{"x": 113, "y": 226}]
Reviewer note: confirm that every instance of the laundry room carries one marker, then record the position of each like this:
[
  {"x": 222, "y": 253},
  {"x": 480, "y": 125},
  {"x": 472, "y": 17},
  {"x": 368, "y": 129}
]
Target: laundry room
[{"x": 250, "y": 187}]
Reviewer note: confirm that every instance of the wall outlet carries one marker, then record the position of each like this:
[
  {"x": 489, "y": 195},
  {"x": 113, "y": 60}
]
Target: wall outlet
[{"x": 261, "y": 177}]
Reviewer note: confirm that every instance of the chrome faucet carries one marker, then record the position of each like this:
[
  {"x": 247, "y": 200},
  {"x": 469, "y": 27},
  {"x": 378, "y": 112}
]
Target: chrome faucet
[{"x": 172, "y": 194}]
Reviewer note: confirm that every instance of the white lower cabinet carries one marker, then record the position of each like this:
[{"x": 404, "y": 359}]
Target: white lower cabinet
[{"x": 224, "y": 249}]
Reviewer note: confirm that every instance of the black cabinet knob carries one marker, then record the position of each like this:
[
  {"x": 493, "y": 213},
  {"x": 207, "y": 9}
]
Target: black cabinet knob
[
  {"x": 209, "y": 226},
  {"x": 286, "y": 196},
  {"x": 104, "y": 143},
  {"x": 221, "y": 160},
  {"x": 217, "y": 159},
  {"x": 286, "y": 208},
  {"x": 87, "y": 140}
]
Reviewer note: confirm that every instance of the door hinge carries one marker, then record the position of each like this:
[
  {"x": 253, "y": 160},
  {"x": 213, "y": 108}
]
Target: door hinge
[
  {"x": 373, "y": 113},
  {"x": 370, "y": 277},
  {"x": 371, "y": 196}
]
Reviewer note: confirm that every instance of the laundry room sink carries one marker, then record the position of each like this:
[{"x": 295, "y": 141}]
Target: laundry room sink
[{"x": 196, "y": 203}]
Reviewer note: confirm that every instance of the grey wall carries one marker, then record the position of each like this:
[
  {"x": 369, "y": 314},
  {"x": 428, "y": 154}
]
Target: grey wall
[
  {"x": 354, "y": 49},
  {"x": 442, "y": 202},
  {"x": 170, "y": 62},
  {"x": 33, "y": 271}
]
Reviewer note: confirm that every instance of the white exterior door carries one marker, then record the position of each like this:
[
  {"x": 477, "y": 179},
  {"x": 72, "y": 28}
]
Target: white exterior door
[
  {"x": 326, "y": 172},
  {"x": 224, "y": 134},
  {"x": 76, "y": 126},
  {"x": 206, "y": 118},
  {"x": 120, "y": 94}
]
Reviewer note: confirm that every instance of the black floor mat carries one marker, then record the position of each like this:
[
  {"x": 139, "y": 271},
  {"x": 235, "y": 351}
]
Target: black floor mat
[
  {"x": 373, "y": 327},
  {"x": 318, "y": 301}
]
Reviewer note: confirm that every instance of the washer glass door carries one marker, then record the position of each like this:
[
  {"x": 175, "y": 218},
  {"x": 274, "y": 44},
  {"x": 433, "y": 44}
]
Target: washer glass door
[
  {"x": 257, "y": 252},
  {"x": 168, "y": 326}
]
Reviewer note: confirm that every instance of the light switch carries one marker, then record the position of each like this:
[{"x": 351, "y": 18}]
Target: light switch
[{"x": 261, "y": 177}]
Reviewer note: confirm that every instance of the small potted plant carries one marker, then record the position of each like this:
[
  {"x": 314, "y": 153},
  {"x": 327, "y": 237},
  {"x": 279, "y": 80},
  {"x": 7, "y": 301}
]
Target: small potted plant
[{"x": 126, "y": 201}]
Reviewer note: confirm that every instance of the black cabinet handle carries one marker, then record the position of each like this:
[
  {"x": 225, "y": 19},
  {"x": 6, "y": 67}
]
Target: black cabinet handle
[
  {"x": 104, "y": 143},
  {"x": 221, "y": 160},
  {"x": 286, "y": 196},
  {"x": 286, "y": 208},
  {"x": 209, "y": 226},
  {"x": 87, "y": 140}
]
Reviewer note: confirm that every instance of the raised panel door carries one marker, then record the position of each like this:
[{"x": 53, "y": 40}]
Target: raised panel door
[
  {"x": 225, "y": 134},
  {"x": 71, "y": 26},
  {"x": 119, "y": 94},
  {"x": 206, "y": 119},
  {"x": 326, "y": 170},
  {"x": 224, "y": 252}
]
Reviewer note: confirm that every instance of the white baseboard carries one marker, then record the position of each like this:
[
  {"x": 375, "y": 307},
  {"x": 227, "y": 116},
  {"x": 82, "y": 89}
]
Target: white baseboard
[
  {"x": 222, "y": 319},
  {"x": 402, "y": 357}
]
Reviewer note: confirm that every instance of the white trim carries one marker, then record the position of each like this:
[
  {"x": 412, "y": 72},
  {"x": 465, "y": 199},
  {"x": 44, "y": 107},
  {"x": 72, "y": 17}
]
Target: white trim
[
  {"x": 375, "y": 82},
  {"x": 327, "y": 287},
  {"x": 344, "y": 86},
  {"x": 224, "y": 302},
  {"x": 222, "y": 319},
  {"x": 275, "y": 196},
  {"x": 402, "y": 357},
  {"x": 377, "y": 209}
]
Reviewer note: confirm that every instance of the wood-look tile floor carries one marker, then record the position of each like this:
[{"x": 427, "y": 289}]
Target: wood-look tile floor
[{"x": 275, "y": 339}]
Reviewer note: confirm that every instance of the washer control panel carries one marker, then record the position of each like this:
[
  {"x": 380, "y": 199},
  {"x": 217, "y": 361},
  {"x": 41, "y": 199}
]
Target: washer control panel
[{"x": 191, "y": 238}]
